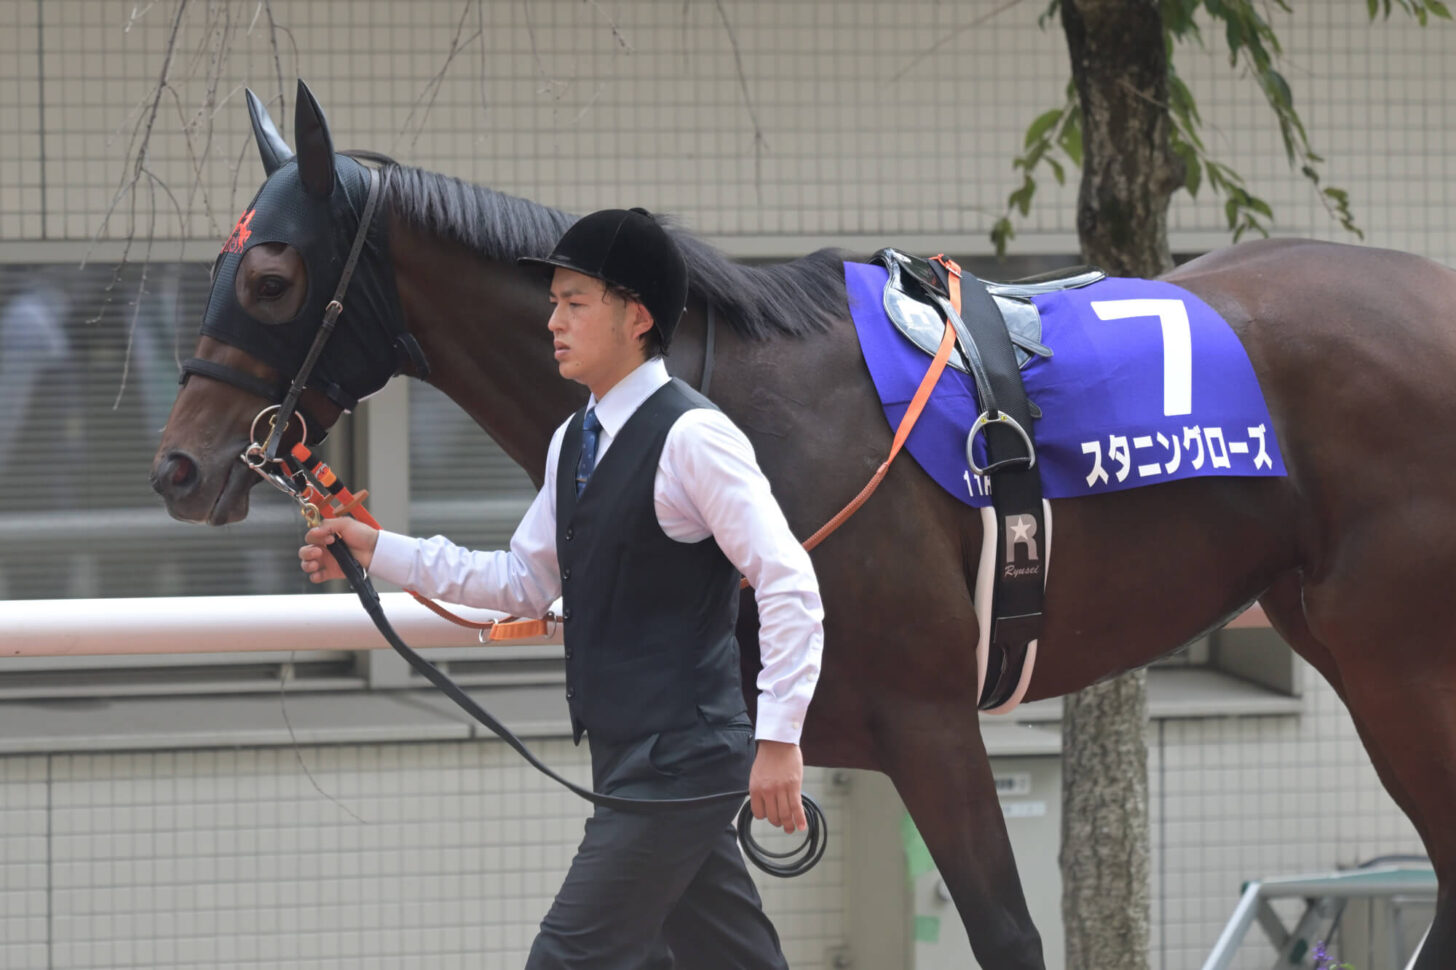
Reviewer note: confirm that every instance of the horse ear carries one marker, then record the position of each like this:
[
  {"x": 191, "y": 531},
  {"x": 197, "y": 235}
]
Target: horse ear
[
  {"x": 315, "y": 147},
  {"x": 271, "y": 146}
]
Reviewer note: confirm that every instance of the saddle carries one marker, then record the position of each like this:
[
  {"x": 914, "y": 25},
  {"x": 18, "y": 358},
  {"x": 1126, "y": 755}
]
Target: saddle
[
  {"x": 998, "y": 330},
  {"x": 915, "y": 316}
]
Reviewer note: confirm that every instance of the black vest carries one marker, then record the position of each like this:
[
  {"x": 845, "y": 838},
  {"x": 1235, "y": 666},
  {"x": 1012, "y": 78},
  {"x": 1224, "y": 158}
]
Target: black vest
[{"x": 648, "y": 621}]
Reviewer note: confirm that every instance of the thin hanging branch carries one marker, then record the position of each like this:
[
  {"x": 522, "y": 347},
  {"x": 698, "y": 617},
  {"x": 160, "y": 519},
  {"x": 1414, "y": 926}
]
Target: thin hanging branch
[
  {"x": 207, "y": 62},
  {"x": 760, "y": 143},
  {"x": 283, "y": 676},
  {"x": 621, "y": 40},
  {"x": 484, "y": 56},
  {"x": 555, "y": 87},
  {"x": 273, "y": 29},
  {"x": 950, "y": 36},
  {"x": 432, "y": 86},
  {"x": 143, "y": 130}
]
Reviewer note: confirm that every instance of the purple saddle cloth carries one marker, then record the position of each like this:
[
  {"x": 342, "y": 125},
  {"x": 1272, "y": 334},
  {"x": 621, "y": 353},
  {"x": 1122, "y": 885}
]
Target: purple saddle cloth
[{"x": 1146, "y": 384}]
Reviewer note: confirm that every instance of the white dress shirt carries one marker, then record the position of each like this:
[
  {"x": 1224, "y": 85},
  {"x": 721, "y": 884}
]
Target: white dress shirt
[{"x": 708, "y": 483}]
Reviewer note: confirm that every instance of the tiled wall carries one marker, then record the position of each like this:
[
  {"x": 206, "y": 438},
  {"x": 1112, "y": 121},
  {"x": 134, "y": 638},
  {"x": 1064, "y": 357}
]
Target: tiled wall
[
  {"x": 857, "y": 122},
  {"x": 431, "y": 855},
  {"x": 1233, "y": 799},
  {"x": 874, "y": 126}
]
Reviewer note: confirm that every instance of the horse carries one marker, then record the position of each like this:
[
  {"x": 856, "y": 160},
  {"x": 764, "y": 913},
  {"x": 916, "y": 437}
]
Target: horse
[{"x": 1349, "y": 552}]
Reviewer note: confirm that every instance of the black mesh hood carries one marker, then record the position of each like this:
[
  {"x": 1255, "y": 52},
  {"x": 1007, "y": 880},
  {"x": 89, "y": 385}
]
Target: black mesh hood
[{"x": 360, "y": 357}]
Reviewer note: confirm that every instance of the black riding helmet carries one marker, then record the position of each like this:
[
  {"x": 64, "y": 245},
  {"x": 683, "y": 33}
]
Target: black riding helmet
[{"x": 627, "y": 248}]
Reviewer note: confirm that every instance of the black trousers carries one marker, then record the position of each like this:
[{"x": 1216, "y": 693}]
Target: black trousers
[{"x": 653, "y": 892}]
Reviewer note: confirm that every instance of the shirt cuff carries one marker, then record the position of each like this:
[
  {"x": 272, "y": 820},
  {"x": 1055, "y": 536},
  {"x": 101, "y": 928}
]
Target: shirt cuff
[
  {"x": 779, "y": 721},
  {"x": 394, "y": 558}
]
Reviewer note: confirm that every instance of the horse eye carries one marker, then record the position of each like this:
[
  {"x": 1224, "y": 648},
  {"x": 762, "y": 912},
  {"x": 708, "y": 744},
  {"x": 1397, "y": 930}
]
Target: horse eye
[{"x": 272, "y": 287}]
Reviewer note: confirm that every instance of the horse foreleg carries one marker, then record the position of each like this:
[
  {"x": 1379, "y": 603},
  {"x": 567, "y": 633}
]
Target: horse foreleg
[{"x": 934, "y": 755}]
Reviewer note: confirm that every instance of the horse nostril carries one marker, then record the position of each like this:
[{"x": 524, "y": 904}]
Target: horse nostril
[{"x": 176, "y": 472}]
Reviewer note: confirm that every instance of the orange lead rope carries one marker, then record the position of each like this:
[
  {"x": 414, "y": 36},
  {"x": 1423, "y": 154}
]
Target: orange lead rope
[
  {"x": 329, "y": 496},
  {"x": 326, "y": 493},
  {"x": 912, "y": 413}
]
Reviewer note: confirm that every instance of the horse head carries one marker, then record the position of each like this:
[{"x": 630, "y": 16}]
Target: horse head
[{"x": 272, "y": 284}]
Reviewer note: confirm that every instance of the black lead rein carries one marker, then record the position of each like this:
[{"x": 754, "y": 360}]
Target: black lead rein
[
  {"x": 783, "y": 864},
  {"x": 258, "y": 457}
]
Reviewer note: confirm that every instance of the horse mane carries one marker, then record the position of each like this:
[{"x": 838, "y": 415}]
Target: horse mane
[{"x": 796, "y": 298}]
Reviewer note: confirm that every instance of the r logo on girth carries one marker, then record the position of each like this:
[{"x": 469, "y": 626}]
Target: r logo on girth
[{"x": 1021, "y": 531}]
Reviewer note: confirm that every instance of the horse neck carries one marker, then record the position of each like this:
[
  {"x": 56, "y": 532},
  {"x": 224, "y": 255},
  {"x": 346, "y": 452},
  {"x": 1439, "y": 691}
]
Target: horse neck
[{"x": 482, "y": 326}]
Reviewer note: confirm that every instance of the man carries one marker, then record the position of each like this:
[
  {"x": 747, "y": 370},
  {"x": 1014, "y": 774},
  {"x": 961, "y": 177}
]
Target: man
[{"x": 653, "y": 504}]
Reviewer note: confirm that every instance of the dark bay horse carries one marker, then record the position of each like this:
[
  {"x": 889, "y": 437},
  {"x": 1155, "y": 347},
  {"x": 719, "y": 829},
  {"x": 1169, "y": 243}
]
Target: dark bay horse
[{"x": 1352, "y": 555}]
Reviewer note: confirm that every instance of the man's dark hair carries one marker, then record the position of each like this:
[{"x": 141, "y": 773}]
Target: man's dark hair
[{"x": 653, "y": 337}]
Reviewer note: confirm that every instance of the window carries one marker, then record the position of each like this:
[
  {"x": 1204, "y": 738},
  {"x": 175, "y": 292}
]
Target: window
[
  {"x": 78, "y": 518},
  {"x": 82, "y": 420}
]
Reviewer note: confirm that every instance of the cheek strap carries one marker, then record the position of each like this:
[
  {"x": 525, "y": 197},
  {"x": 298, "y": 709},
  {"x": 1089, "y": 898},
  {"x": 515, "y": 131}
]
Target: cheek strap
[{"x": 267, "y": 390}]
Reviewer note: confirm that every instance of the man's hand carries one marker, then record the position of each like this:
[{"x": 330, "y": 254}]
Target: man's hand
[
  {"x": 773, "y": 786},
  {"x": 319, "y": 563}
]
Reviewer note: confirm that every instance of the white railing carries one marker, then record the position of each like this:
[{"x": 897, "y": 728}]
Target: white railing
[
  {"x": 222, "y": 624},
  {"x": 228, "y": 624}
]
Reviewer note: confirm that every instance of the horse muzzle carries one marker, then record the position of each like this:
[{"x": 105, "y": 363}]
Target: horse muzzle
[{"x": 195, "y": 493}]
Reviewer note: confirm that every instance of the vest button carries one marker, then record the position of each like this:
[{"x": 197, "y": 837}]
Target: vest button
[
  {"x": 568, "y": 653},
  {"x": 566, "y": 574},
  {"x": 570, "y": 693},
  {"x": 566, "y": 613},
  {"x": 568, "y": 533}
]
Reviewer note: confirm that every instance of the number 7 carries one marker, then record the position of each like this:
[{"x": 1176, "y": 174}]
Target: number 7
[{"x": 1177, "y": 345}]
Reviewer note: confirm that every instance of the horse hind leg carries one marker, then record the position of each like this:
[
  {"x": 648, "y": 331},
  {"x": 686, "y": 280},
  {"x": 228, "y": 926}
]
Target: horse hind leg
[
  {"x": 937, "y": 760},
  {"x": 1396, "y": 657},
  {"x": 1284, "y": 606}
]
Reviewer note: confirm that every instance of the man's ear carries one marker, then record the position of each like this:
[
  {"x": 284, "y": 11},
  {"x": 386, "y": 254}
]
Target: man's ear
[{"x": 641, "y": 320}]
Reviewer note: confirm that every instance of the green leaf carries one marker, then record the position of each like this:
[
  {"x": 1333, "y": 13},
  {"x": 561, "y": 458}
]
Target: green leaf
[
  {"x": 1058, "y": 172},
  {"x": 1192, "y": 168},
  {"x": 1439, "y": 9},
  {"x": 1044, "y": 122},
  {"x": 1021, "y": 198},
  {"x": 1181, "y": 101},
  {"x": 1002, "y": 232},
  {"x": 1374, "y": 6},
  {"x": 1280, "y": 89},
  {"x": 1070, "y": 140},
  {"x": 1034, "y": 156}
]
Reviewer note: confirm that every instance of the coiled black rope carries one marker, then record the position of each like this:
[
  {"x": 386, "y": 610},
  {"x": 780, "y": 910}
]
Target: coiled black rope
[
  {"x": 795, "y": 862},
  {"x": 782, "y": 864}
]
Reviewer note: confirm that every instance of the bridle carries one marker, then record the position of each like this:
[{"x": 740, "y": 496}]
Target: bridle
[
  {"x": 263, "y": 456},
  {"x": 259, "y": 456}
]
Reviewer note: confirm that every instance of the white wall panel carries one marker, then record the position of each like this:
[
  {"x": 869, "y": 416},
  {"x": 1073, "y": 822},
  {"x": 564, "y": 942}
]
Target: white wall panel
[
  {"x": 432, "y": 855},
  {"x": 852, "y": 121},
  {"x": 1233, "y": 799}
]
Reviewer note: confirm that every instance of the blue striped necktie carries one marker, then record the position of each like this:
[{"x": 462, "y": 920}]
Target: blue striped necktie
[{"x": 590, "y": 428}]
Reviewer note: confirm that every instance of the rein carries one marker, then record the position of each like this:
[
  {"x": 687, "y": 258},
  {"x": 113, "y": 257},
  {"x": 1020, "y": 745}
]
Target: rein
[
  {"x": 902, "y": 432},
  {"x": 322, "y": 495}
]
